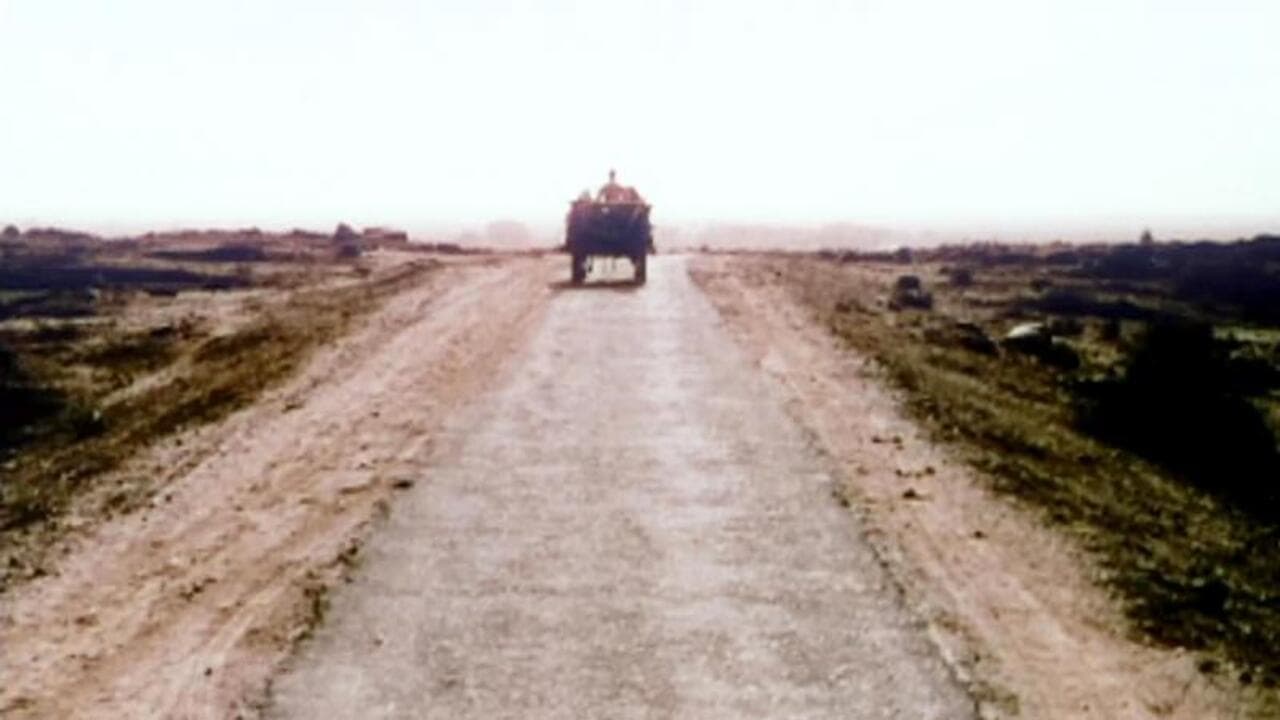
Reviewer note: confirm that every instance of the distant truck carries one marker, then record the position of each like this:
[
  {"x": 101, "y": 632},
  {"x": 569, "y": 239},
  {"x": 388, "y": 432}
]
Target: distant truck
[{"x": 614, "y": 224}]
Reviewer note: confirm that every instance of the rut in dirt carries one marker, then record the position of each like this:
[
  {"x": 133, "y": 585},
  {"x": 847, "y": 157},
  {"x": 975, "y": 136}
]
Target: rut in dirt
[{"x": 629, "y": 526}]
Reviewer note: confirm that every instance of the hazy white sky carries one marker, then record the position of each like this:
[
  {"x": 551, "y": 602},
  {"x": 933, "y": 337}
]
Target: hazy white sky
[{"x": 141, "y": 113}]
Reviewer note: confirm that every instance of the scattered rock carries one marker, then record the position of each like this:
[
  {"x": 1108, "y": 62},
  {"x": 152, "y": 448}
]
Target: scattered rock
[
  {"x": 356, "y": 486},
  {"x": 911, "y": 494},
  {"x": 1032, "y": 332},
  {"x": 909, "y": 293},
  {"x": 1036, "y": 339},
  {"x": 402, "y": 483},
  {"x": 196, "y": 587}
]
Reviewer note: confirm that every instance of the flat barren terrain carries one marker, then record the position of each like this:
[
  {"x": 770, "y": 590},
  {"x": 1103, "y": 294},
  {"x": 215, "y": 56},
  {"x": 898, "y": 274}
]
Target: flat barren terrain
[
  {"x": 450, "y": 485},
  {"x": 183, "y": 606},
  {"x": 631, "y": 526}
]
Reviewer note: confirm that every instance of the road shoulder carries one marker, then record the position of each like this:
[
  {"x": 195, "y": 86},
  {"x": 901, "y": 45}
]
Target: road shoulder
[
  {"x": 186, "y": 607},
  {"x": 1010, "y": 602}
]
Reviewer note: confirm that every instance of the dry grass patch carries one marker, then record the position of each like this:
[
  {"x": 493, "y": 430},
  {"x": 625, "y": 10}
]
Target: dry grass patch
[
  {"x": 1193, "y": 563},
  {"x": 81, "y": 399}
]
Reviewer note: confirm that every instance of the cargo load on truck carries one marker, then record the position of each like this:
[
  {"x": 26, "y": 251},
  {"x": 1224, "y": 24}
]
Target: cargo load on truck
[{"x": 615, "y": 223}]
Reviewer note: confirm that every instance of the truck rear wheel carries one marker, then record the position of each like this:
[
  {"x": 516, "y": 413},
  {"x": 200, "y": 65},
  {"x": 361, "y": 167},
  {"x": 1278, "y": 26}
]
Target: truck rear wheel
[
  {"x": 578, "y": 269},
  {"x": 639, "y": 261}
]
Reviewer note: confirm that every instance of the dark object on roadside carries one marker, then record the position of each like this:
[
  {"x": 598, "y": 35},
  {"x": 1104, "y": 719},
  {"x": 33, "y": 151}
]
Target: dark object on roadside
[
  {"x": 1179, "y": 403},
  {"x": 344, "y": 233},
  {"x": 909, "y": 292},
  {"x": 966, "y": 335},
  {"x": 1036, "y": 339},
  {"x": 615, "y": 224},
  {"x": 1027, "y": 335},
  {"x": 348, "y": 241}
]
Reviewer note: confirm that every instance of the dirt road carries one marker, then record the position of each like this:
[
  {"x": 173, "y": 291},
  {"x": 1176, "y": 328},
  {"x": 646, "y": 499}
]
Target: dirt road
[
  {"x": 185, "y": 608},
  {"x": 630, "y": 526}
]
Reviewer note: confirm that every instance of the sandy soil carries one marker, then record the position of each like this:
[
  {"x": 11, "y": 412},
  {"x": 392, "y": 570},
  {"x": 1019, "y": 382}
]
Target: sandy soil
[
  {"x": 603, "y": 507},
  {"x": 184, "y": 609},
  {"x": 631, "y": 527},
  {"x": 1008, "y": 600}
]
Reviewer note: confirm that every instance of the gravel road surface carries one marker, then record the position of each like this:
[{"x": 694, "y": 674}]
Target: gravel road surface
[{"x": 629, "y": 525}]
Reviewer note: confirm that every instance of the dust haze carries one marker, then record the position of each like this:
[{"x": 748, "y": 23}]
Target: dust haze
[{"x": 736, "y": 360}]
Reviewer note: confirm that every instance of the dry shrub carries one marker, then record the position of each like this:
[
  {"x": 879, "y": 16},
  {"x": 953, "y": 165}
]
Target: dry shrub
[{"x": 1179, "y": 404}]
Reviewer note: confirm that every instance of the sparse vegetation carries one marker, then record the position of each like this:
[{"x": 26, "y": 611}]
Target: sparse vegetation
[
  {"x": 25, "y": 404},
  {"x": 1157, "y": 447},
  {"x": 1183, "y": 402},
  {"x": 80, "y": 396}
]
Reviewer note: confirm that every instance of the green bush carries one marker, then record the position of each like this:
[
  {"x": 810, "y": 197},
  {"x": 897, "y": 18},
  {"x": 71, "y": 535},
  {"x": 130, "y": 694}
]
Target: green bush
[
  {"x": 23, "y": 402},
  {"x": 1180, "y": 404}
]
